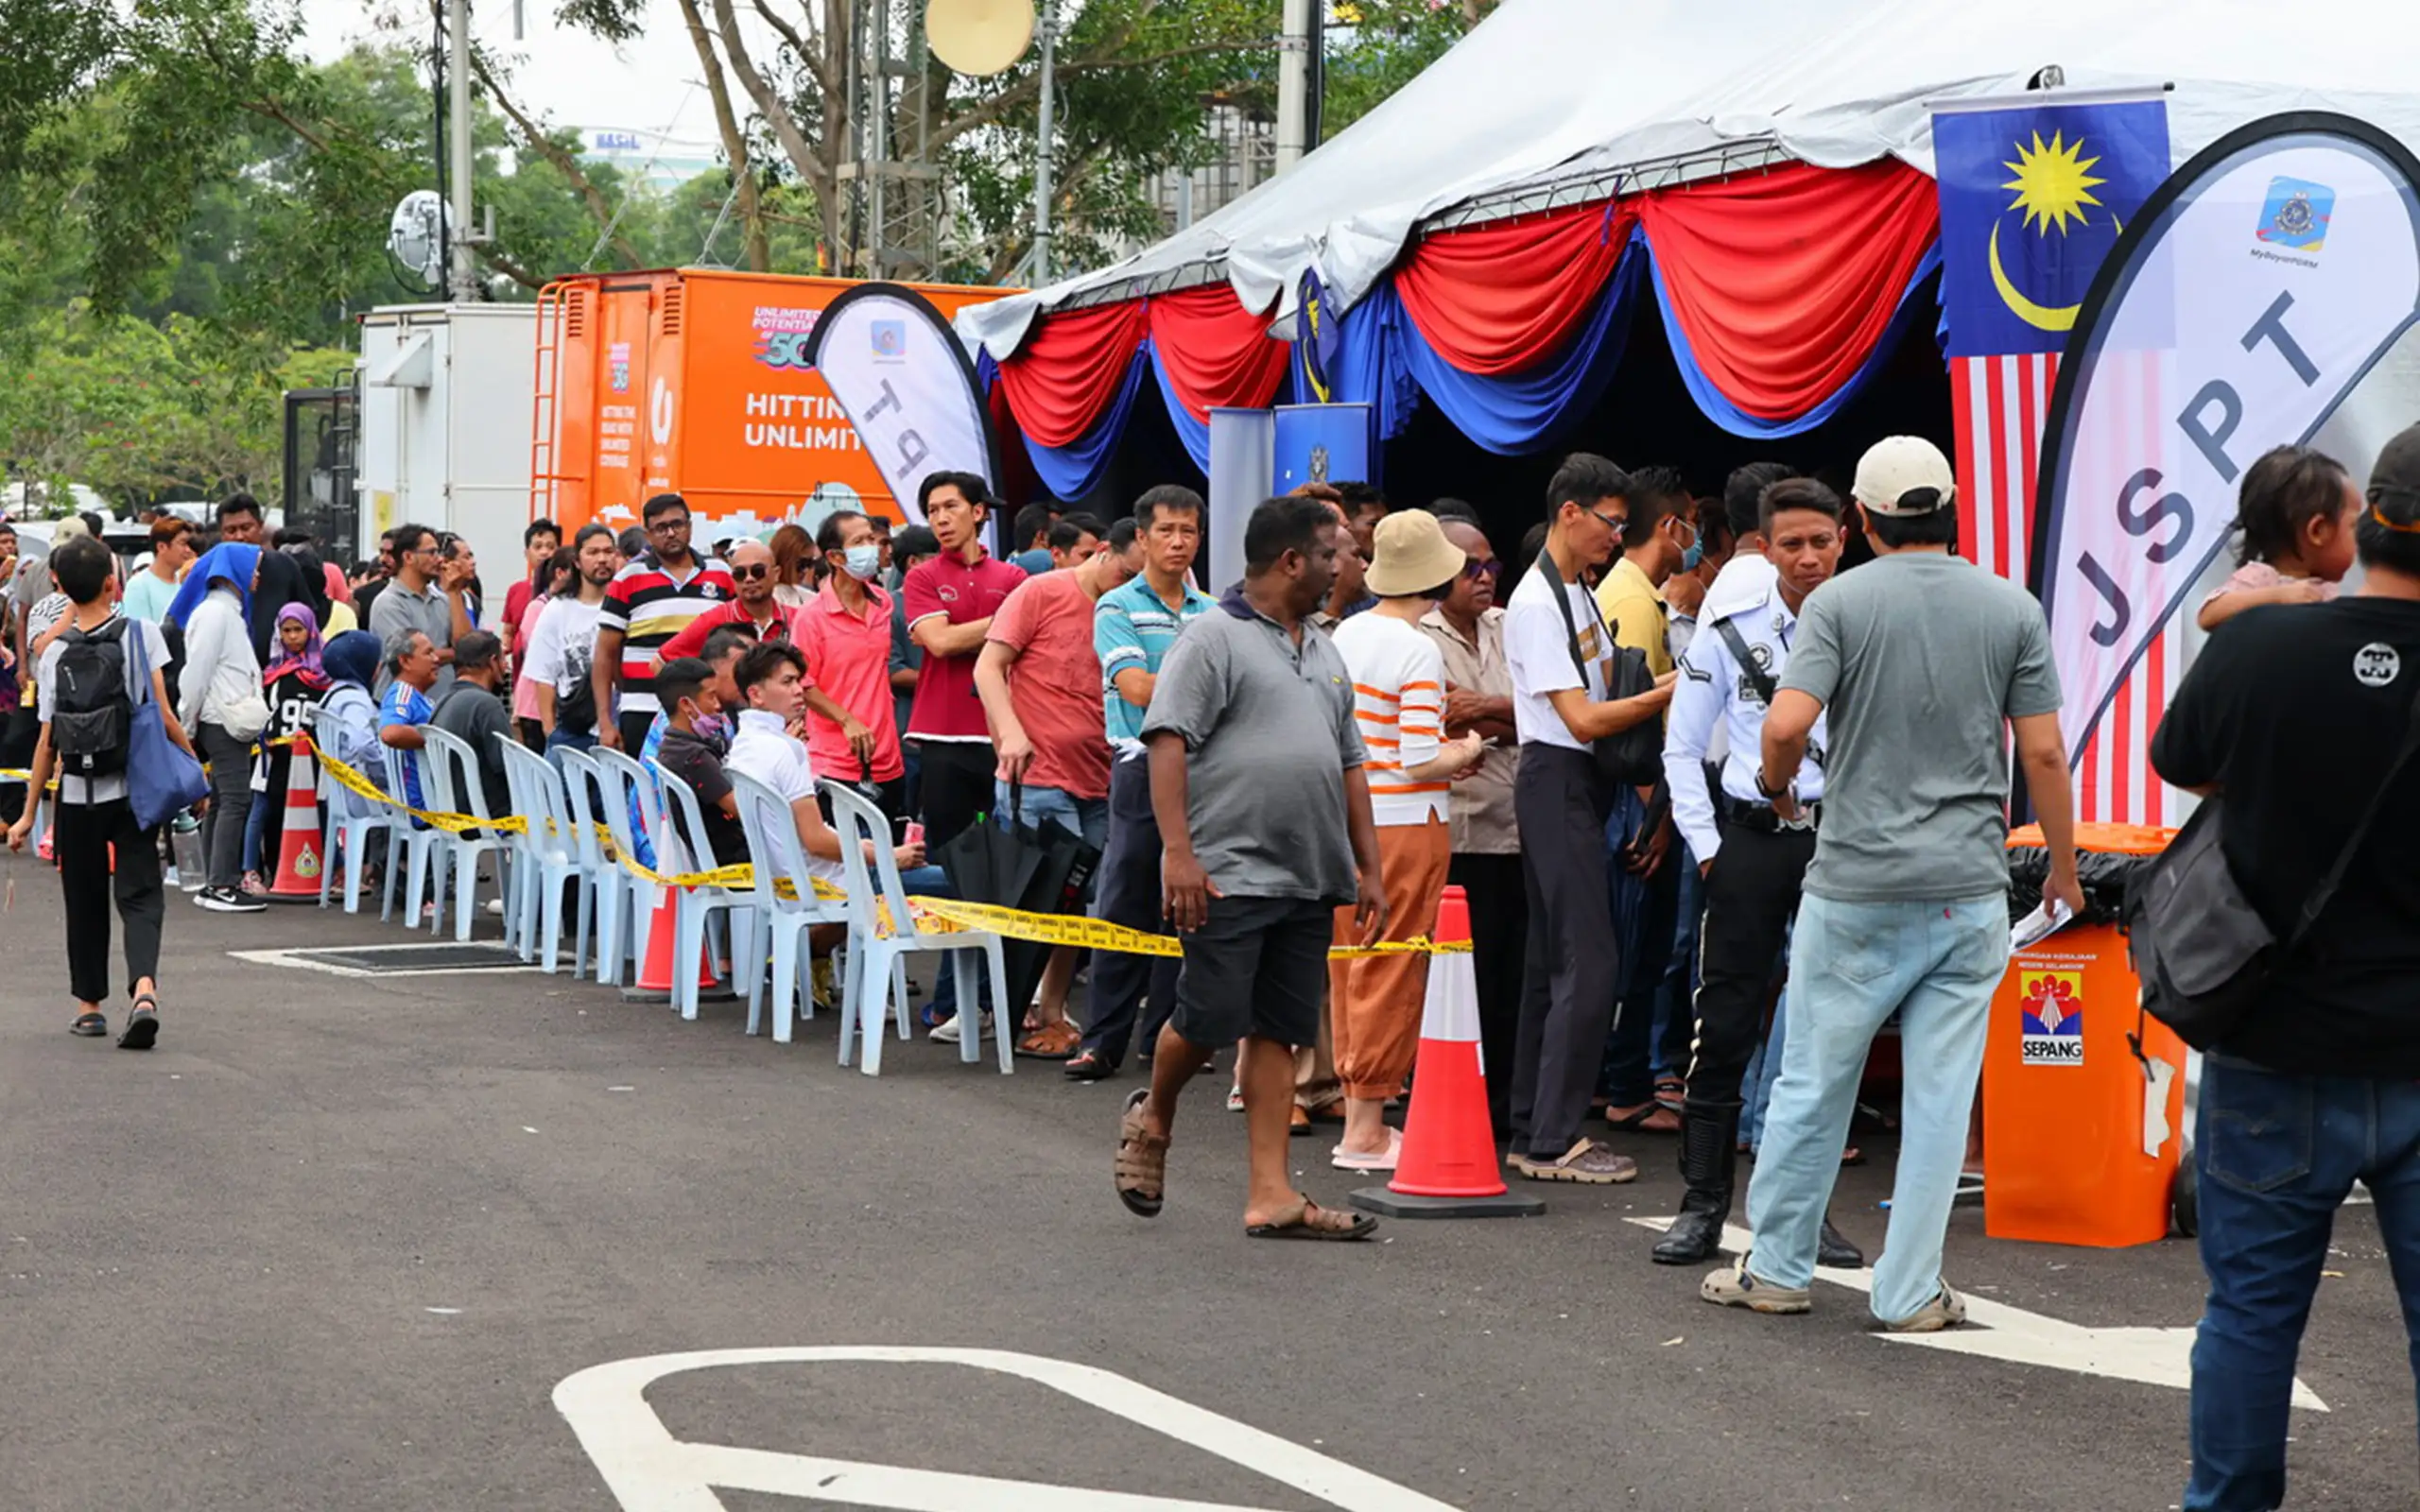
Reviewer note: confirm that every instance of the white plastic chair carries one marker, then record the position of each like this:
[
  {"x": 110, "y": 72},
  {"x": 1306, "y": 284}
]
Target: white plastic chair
[
  {"x": 346, "y": 834},
  {"x": 622, "y": 898},
  {"x": 694, "y": 907},
  {"x": 411, "y": 852},
  {"x": 625, "y": 788},
  {"x": 453, "y": 769},
  {"x": 859, "y": 822},
  {"x": 551, "y": 859},
  {"x": 776, "y": 854}
]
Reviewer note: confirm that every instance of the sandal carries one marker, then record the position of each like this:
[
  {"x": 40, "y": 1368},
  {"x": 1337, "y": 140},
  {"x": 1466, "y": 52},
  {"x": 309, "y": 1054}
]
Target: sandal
[
  {"x": 1142, "y": 1167},
  {"x": 90, "y": 1025},
  {"x": 143, "y": 1025},
  {"x": 1311, "y": 1221},
  {"x": 1053, "y": 1042},
  {"x": 1671, "y": 1092},
  {"x": 1649, "y": 1117},
  {"x": 1089, "y": 1065}
]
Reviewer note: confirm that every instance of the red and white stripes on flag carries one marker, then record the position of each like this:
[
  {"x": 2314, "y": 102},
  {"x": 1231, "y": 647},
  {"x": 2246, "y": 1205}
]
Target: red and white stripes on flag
[{"x": 2000, "y": 405}]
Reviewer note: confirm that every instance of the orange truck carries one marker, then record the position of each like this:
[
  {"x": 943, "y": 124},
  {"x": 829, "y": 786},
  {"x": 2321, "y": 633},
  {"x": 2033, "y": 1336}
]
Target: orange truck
[{"x": 690, "y": 380}]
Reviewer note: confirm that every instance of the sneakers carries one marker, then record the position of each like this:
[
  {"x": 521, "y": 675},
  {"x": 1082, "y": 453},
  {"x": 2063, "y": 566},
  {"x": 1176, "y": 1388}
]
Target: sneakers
[
  {"x": 946, "y": 1032},
  {"x": 228, "y": 901},
  {"x": 1739, "y": 1286},
  {"x": 1587, "y": 1162},
  {"x": 1945, "y": 1310}
]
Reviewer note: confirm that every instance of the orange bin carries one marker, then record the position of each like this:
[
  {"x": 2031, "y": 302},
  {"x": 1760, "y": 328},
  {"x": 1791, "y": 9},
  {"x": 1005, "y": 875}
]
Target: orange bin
[{"x": 2081, "y": 1139}]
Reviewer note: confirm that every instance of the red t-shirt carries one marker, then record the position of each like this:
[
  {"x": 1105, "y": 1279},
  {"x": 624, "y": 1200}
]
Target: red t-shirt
[
  {"x": 691, "y": 641},
  {"x": 1055, "y": 682},
  {"x": 849, "y": 659},
  {"x": 946, "y": 707}
]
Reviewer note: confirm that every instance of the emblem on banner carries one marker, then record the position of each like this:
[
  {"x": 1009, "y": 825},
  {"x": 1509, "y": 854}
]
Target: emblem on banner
[
  {"x": 2053, "y": 1004},
  {"x": 2295, "y": 215},
  {"x": 1319, "y": 464},
  {"x": 889, "y": 339}
]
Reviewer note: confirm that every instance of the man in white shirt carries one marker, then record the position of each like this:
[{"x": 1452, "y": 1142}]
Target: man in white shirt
[
  {"x": 772, "y": 676},
  {"x": 1561, "y": 656},
  {"x": 1750, "y": 859}
]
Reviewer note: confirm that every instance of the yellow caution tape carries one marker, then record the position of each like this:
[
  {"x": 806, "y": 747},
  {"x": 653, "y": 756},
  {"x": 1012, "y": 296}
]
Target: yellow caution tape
[{"x": 352, "y": 779}]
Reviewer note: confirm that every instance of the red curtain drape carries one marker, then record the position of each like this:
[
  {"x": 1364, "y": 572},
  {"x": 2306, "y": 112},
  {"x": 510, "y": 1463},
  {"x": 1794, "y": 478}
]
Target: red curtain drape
[
  {"x": 1214, "y": 352},
  {"x": 1501, "y": 298},
  {"x": 1785, "y": 282},
  {"x": 1068, "y": 369}
]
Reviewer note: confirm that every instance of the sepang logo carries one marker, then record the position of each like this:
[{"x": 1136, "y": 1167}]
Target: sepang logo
[{"x": 2052, "y": 1029}]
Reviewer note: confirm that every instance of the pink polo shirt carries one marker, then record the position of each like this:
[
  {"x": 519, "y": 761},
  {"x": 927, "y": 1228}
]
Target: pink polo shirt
[{"x": 849, "y": 658}]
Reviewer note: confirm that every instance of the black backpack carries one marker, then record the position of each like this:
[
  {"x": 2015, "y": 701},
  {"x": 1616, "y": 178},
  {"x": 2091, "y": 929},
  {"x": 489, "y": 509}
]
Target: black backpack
[{"x": 91, "y": 717}]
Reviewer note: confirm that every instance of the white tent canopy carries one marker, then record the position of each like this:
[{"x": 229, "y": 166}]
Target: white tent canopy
[{"x": 1551, "y": 102}]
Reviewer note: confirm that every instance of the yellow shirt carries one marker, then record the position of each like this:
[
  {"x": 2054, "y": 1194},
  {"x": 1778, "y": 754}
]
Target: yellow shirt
[
  {"x": 1635, "y": 606},
  {"x": 341, "y": 619}
]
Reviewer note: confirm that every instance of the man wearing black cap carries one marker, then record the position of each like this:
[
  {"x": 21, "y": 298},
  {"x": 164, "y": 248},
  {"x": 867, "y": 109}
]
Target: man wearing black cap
[
  {"x": 2320, "y": 1087},
  {"x": 1919, "y": 662}
]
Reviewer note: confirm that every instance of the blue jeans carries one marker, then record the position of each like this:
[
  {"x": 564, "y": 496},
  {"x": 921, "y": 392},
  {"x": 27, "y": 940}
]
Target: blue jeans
[
  {"x": 1085, "y": 816},
  {"x": 2276, "y": 1154},
  {"x": 1643, "y": 910},
  {"x": 1851, "y": 967}
]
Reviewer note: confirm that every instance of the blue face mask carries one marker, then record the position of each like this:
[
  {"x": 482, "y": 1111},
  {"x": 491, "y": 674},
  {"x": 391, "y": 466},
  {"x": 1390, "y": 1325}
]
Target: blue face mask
[
  {"x": 862, "y": 562},
  {"x": 1695, "y": 554}
]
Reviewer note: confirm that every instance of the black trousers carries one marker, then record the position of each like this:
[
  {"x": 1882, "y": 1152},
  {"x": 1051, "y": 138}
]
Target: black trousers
[
  {"x": 1499, "y": 904},
  {"x": 81, "y": 838},
  {"x": 632, "y": 727},
  {"x": 1574, "y": 963},
  {"x": 20, "y": 732},
  {"x": 1750, "y": 896},
  {"x": 1126, "y": 890},
  {"x": 958, "y": 787}
]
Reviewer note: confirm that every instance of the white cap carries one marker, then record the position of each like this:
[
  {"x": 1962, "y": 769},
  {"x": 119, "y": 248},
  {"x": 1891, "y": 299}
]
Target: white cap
[{"x": 1897, "y": 466}]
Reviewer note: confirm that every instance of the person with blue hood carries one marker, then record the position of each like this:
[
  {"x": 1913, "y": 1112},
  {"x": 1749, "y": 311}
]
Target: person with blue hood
[
  {"x": 345, "y": 725},
  {"x": 218, "y": 698}
]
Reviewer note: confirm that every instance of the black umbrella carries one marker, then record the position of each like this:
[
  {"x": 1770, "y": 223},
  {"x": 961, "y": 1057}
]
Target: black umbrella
[{"x": 1042, "y": 869}]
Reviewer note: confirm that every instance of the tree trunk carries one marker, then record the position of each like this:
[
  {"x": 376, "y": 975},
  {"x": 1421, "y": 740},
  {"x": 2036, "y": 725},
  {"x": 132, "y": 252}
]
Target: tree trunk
[{"x": 756, "y": 249}]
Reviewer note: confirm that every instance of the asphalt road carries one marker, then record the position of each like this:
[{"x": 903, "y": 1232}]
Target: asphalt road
[{"x": 337, "y": 1242}]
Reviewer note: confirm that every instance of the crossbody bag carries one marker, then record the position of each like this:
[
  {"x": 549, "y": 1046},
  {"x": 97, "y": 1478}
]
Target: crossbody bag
[{"x": 1634, "y": 757}]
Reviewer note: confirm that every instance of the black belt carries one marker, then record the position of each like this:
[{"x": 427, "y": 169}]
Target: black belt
[{"x": 1759, "y": 818}]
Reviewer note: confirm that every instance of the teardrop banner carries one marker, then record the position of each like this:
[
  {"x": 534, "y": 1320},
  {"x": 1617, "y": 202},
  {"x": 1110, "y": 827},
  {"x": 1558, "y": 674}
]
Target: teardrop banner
[
  {"x": 2256, "y": 289},
  {"x": 906, "y": 385}
]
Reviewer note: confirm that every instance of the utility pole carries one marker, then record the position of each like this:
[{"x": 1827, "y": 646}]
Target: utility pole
[
  {"x": 1294, "y": 84},
  {"x": 466, "y": 279},
  {"x": 1045, "y": 126}
]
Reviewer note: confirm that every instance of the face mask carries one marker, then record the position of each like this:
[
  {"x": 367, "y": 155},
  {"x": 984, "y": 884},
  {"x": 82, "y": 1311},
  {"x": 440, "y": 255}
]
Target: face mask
[
  {"x": 862, "y": 562},
  {"x": 1691, "y": 558}
]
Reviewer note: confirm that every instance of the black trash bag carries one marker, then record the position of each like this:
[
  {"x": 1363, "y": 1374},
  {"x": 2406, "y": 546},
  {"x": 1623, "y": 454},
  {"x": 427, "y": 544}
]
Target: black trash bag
[{"x": 2103, "y": 874}]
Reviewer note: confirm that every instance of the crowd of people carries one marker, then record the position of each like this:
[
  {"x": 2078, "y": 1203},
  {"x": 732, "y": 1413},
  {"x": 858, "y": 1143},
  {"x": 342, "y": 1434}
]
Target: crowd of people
[{"x": 1721, "y": 809}]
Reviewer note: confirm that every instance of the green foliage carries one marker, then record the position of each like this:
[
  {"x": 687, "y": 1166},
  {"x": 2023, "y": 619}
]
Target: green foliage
[{"x": 1374, "y": 48}]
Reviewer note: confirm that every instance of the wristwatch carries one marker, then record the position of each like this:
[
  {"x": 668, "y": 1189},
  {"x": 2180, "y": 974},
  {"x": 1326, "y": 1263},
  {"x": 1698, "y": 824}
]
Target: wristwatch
[{"x": 1770, "y": 793}]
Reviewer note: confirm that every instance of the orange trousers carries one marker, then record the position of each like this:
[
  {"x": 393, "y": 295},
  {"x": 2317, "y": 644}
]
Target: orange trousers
[{"x": 1374, "y": 1001}]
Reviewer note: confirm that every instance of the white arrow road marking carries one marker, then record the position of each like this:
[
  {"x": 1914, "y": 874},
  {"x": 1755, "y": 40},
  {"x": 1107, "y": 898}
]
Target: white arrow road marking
[
  {"x": 1995, "y": 1330},
  {"x": 649, "y": 1471}
]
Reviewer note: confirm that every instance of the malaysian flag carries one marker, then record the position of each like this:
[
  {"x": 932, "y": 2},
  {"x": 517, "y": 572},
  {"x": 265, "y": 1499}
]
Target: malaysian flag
[{"x": 2033, "y": 196}]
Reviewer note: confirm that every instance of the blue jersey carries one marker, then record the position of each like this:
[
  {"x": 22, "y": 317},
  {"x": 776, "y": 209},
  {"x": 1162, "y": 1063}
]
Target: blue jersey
[
  {"x": 1134, "y": 627},
  {"x": 406, "y": 705}
]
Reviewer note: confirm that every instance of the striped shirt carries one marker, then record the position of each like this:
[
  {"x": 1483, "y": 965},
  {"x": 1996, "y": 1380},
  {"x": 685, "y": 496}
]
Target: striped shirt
[
  {"x": 1398, "y": 701},
  {"x": 1132, "y": 628},
  {"x": 649, "y": 606}
]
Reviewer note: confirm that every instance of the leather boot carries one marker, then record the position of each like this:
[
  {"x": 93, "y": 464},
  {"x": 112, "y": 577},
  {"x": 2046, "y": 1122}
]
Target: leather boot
[
  {"x": 1709, "y": 1153},
  {"x": 1834, "y": 1249}
]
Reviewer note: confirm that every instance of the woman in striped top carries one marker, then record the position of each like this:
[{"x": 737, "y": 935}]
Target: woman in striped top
[{"x": 1399, "y": 693}]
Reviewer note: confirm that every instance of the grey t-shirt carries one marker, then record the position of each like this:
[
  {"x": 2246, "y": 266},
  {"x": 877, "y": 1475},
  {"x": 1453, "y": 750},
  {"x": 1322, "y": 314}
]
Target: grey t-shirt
[
  {"x": 1269, "y": 728},
  {"x": 1919, "y": 659},
  {"x": 428, "y": 612}
]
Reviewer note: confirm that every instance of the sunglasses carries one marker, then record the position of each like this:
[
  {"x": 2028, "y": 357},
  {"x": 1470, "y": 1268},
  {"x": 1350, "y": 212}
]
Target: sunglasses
[
  {"x": 1475, "y": 569},
  {"x": 751, "y": 571}
]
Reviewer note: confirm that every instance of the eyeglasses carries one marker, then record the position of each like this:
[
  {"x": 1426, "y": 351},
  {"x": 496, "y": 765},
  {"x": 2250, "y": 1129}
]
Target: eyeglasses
[
  {"x": 676, "y": 523},
  {"x": 753, "y": 570},
  {"x": 1474, "y": 569},
  {"x": 1614, "y": 522}
]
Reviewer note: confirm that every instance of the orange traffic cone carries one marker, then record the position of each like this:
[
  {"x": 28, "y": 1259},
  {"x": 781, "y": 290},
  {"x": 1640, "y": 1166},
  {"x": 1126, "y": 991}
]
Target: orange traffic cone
[
  {"x": 654, "y": 984},
  {"x": 1448, "y": 1168},
  {"x": 299, "y": 858}
]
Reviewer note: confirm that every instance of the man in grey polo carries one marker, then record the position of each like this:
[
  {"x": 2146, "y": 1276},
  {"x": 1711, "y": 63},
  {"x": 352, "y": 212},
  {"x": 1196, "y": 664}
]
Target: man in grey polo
[
  {"x": 1264, "y": 827},
  {"x": 427, "y": 594}
]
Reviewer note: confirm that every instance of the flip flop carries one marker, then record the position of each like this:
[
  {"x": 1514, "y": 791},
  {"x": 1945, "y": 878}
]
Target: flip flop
[{"x": 1300, "y": 1224}]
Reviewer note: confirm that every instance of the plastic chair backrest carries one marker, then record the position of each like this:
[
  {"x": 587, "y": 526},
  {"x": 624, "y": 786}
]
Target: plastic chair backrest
[
  {"x": 399, "y": 768},
  {"x": 456, "y": 766},
  {"x": 861, "y": 822},
  {"x": 683, "y": 853},
  {"x": 580, "y": 783},
  {"x": 627, "y": 785},
  {"x": 772, "y": 852},
  {"x": 538, "y": 796}
]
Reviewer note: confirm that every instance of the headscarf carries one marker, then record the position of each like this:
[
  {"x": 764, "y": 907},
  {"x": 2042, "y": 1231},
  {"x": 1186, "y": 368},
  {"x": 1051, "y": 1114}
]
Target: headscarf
[
  {"x": 283, "y": 583},
  {"x": 352, "y": 658},
  {"x": 311, "y": 664},
  {"x": 232, "y": 562},
  {"x": 339, "y": 590}
]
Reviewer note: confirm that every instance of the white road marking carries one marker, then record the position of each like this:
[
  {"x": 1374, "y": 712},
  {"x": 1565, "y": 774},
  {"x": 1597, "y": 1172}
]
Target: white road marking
[
  {"x": 649, "y": 1470},
  {"x": 1995, "y": 1330},
  {"x": 293, "y": 960}
]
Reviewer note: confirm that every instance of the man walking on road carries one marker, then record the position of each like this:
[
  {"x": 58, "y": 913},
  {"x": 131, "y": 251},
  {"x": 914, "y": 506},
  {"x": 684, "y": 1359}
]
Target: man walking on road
[
  {"x": 650, "y": 600},
  {"x": 1134, "y": 627},
  {"x": 1263, "y": 811},
  {"x": 1920, "y": 662},
  {"x": 2320, "y": 1086},
  {"x": 1728, "y": 680}
]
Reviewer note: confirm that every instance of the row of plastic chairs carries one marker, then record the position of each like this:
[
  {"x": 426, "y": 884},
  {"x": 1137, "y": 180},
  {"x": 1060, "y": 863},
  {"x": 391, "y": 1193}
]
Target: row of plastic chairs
[{"x": 559, "y": 858}]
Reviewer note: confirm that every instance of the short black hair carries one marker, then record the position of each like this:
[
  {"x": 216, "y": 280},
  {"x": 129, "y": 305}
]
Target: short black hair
[
  {"x": 94, "y": 521},
  {"x": 914, "y": 542},
  {"x": 761, "y": 660},
  {"x": 560, "y": 562},
  {"x": 407, "y": 536},
  {"x": 1123, "y": 532},
  {"x": 1033, "y": 520},
  {"x": 453, "y": 545},
  {"x": 661, "y": 504},
  {"x": 827, "y": 535},
  {"x": 978, "y": 491},
  {"x": 1359, "y": 498},
  {"x": 478, "y": 650},
  {"x": 1070, "y": 528},
  {"x": 1934, "y": 527},
  {"x": 1584, "y": 479},
  {"x": 1795, "y": 493},
  {"x": 1454, "y": 509},
  {"x": 632, "y": 541},
  {"x": 2287, "y": 488},
  {"x": 678, "y": 678},
  {"x": 590, "y": 532},
  {"x": 239, "y": 504},
  {"x": 1172, "y": 496},
  {"x": 291, "y": 536},
  {"x": 1287, "y": 522},
  {"x": 1655, "y": 494},
  {"x": 82, "y": 566},
  {"x": 530, "y": 532},
  {"x": 722, "y": 639},
  {"x": 1745, "y": 487}
]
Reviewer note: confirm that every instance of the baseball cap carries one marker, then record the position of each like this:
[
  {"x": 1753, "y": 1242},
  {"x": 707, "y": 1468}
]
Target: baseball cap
[
  {"x": 1903, "y": 476},
  {"x": 2395, "y": 480}
]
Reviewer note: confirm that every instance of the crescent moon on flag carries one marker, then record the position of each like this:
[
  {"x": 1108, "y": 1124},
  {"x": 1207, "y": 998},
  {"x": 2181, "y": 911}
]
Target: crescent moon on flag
[{"x": 2040, "y": 316}]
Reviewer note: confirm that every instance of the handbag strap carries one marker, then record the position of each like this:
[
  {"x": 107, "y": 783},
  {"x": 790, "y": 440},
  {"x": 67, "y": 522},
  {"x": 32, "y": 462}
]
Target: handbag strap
[{"x": 2325, "y": 892}]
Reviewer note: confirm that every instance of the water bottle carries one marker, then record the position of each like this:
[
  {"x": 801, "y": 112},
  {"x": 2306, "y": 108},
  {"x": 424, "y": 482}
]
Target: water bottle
[{"x": 184, "y": 850}]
